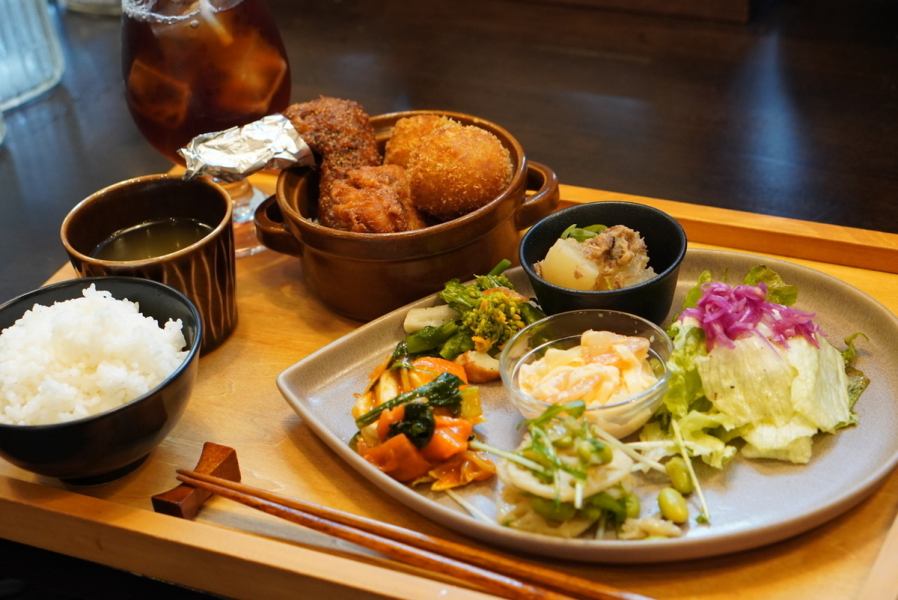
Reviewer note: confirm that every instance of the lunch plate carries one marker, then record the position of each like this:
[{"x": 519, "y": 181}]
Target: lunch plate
[{"x": 752, "y": 502}]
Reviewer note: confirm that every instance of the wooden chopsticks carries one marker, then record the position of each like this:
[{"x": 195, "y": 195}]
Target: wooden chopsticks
[{"x": 488, "y": 570}]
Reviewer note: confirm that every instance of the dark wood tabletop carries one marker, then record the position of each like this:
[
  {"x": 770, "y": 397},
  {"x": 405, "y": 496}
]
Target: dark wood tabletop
[{"x": 793, "y": 114}]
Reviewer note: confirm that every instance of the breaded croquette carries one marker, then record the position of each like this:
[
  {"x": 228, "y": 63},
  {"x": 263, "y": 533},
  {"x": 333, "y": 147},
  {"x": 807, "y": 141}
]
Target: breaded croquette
[
  {"x": 408, "y": 133},
  {"x": 455, "y": 170},
  {"x": 370, "y": 200}
]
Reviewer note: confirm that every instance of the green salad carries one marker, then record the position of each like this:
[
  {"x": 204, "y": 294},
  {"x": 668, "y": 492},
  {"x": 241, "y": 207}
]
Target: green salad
[{"x": 750, "y": 370}]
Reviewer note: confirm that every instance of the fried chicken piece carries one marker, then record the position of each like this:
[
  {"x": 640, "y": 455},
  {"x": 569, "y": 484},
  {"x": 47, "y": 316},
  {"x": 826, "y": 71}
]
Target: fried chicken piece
[
  {"x": 408, "y": 133},
  {"x": 333, "y": 126},
  {"x": 370, "y": 200},
  {"x": 340, "y": 132},
  {"x": 455, "y": 170}
]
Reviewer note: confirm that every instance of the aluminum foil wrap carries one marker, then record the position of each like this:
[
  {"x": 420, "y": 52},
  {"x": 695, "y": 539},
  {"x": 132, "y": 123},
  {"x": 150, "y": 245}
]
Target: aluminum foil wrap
[{"x": 269, "y": 143}]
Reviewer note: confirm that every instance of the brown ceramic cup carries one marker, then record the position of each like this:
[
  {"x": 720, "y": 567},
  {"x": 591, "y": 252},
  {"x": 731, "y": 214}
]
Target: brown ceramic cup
[
  {"x": 203, "y": 271},
  {"x": 364, "y": 275}
]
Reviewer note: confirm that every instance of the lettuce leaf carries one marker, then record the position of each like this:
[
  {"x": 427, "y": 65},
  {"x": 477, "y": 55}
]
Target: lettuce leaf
[
  {"x": 685, "y": 385},
  {"x": 695, "y": 293},
  {"x": 778, "y": 397},
  {"x": 790, "y": 442},
  {"x": 856, "y": 380},
  {"x": 820, "y": 387},
  {"x": 703, "y": 429},
  {"x": 749, "y": 382},
  {"x": 778, "y": 291},
  {"x": 775, "y": 398}
]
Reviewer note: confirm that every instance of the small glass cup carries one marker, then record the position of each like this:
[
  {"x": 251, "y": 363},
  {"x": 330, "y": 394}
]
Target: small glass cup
[
  {"x": 563, "y": 331},
  {"x": 30, "y": 58}
]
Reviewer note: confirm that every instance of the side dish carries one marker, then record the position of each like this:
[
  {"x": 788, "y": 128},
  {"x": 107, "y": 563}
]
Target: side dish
[
  {"x": 603, "y": 369},
  {"x": 415, "y": 421},
  {"x": 435, "y": 169},
  {"x": 453, "y": 169},
  {"x": 474, "y": 324},
  {"x": 746, "y": 365},
  {"x": 82, "y": 357},
  {"x": 596, "y": 258},
  {"x": 612, "y": 361},
  {"x": 568, "y": 477},
  {"x": 418, "y": 412}
]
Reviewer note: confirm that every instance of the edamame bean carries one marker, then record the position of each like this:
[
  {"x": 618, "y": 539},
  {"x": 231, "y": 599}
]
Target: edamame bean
[
  {"x": 585, "y": 451},
  {"x": 673, "y": 505},
  {"x": 594, "y": 452},
  {"x": 557, "y": 512},
  {"x": 606, "y": 454},
  {"x": 565, "y": 441},
  {"x": 679, "y": 475},
  {"x": 631, "y": 505}
]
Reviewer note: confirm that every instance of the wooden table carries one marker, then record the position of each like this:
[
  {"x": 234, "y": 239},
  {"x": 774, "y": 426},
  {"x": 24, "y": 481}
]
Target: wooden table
[{"x": 234, "y": 551}]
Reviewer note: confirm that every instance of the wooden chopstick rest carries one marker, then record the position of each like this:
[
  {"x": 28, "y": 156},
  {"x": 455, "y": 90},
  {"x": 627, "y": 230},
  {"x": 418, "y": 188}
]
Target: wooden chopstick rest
[
  {"x": 185, "y": 500},
  {"x": 479, "y": 557}
]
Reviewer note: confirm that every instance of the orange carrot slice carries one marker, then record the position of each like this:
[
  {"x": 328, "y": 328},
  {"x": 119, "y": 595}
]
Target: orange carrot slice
[{"x": 398, "y": 458}]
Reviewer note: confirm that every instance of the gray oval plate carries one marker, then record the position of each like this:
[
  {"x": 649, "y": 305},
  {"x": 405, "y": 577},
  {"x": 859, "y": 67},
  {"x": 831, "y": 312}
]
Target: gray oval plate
[{"x": 753, "y": 502}]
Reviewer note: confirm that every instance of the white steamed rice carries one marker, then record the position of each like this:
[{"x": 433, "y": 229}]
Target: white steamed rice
[{"x": 81, "y": 357}]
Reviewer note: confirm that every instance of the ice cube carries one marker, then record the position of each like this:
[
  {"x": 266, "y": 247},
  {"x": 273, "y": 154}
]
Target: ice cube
[
  {"x": 255, "y": 71},
  {"x": 157, "y": 96},
  {"x": 207, "y": 12}
]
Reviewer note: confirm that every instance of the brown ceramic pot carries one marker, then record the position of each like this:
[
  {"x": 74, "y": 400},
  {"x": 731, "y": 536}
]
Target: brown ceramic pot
[
  {"x": 364, "y": 275},
  {"x": 203, "y": 271}
]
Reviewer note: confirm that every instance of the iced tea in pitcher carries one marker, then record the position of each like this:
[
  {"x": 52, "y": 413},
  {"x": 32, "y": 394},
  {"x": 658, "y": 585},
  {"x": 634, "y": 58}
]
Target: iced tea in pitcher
[{"x": 194, "y": 66}]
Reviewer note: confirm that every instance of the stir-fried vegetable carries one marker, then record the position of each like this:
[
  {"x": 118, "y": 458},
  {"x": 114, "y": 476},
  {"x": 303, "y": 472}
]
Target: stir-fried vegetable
[
  {"x": 431, "y": 413},
  {"x": 417, "y": 424},
  {"x": 398, "y": 458},
  {"x": 450, "y": 437},
  {"x": 430, "y": 337},
  {"x": 442, "y": 391},
  {"x": 487, "y": 313}
]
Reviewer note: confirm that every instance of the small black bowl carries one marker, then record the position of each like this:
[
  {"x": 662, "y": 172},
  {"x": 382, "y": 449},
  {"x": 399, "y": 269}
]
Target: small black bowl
[
  {"x": 107, "y": 445},
  {"x": 650, "y": 299}
]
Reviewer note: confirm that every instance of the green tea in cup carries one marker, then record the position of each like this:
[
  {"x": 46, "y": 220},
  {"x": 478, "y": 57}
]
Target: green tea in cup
[{"x": 152, "y": 238}]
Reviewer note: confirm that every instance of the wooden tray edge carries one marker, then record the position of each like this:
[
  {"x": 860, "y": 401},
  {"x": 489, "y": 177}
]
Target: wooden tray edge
[
  {"x": 740, "y": 230},
  {"x": 195, "y": 554}
]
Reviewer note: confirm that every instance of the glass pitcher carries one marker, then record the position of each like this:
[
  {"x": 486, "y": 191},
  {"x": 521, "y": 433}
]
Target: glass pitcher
[{"x": 30, "y": 57}]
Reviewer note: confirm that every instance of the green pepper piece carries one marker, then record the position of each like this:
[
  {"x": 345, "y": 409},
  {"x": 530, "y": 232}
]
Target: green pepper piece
[
  {"x": 430, "y": 337},
  {"x": 459, "y": 343}
]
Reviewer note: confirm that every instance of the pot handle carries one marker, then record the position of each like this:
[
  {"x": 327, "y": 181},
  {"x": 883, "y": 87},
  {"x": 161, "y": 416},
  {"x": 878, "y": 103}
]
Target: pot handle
[
  {"x": 272, "y": 231},
  {"x": 544, "y": 182}
]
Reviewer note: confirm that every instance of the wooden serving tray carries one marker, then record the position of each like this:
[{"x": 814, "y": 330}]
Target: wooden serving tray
[{"x": 237, "y": 552}]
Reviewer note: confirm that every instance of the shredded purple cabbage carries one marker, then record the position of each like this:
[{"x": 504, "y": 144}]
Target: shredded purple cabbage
[{"x": 727, "y": 313}]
